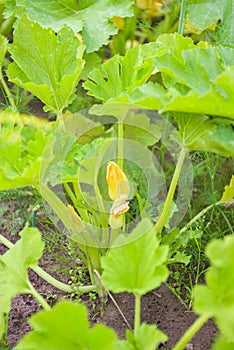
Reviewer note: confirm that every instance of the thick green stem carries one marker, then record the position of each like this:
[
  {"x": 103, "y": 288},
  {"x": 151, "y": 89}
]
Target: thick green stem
[
  {"x": 60, "y": 118},
  {"x": 60, "y": 285},
  {"x": 61, "y": 210},
  {"x": 189, "y": 334},
  {"x": 181, "y": 19},
  {"x": 74, "y": 200},
  {"x": 166, "y": 209},
  {"x": 120, "y": 144},
  {"x": 48, "y": 278},
  {"x": 78, "y": 195},
  {"x": 101, "y": 206},
  {"x": 56, "y": 204},
  {"x": 137, "y": 316}
]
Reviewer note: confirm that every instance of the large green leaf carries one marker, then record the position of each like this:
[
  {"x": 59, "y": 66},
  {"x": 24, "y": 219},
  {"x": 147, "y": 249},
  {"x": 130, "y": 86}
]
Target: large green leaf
[
  {"x": 138, "y": 127},
  {"x": 46, "y": 64},
  {"x": 120, "y": 74},
  {"x": 198, "y": 78},
  {"x": 219, "y": 14},
  {"x": 200, "y": 132},
  {"x": 14, "y": 264},
  {"x": 136, "y": 264},
  {"x": 66, "y": 326},
  {"x": 21, "y": 156},
  {"x": 216, "y": 298},
  {"x": 91, "y": 18},
  {"x": 216, "y": 101},
  {"x": 195, "y": 66}
]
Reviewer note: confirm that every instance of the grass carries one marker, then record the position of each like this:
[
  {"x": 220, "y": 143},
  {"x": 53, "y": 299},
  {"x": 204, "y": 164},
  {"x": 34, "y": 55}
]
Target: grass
[{"x": 211, "y": 174}]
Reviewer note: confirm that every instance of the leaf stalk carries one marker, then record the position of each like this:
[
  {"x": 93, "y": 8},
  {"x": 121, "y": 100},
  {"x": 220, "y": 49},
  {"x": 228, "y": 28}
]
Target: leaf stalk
[
  {"x": 191, "y": 331},
  {"x": 50, "y": 279},
  {"x": 166, "y": 209},
  {"x": 137, "y": 315},
  {"x": 181, "y": 19}
]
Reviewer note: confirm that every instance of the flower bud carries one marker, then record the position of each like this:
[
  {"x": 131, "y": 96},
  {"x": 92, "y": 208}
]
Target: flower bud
[
  {"x": 77, "y": 225},
  {"x": 117, "y": 181}
]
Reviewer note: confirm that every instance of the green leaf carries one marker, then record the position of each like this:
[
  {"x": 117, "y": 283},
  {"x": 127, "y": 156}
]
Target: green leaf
[
  {"x": 220, "y": 14},
  {"x": 66, "y": 326},
  {"x": 180, "y": 257},
  {"x": 14, "y": 264},
  {"x": 216, "y": 101},
  {"x": 228, "y": 194},
  {"x": 146, "y": 337},
  {"x": 3, "y": 47},
  {"x": 91, "y": 18},
  {"x": 69, "y": 161},
  {"x": 136, "y": 265},
  {"x": 195, "y": 66},
  {"x": 198, "y": 78},
  {"x": 138, "y": 127},
  {"x": 120, "y": 74},
  {"x": 221, "y": 343},
  {"x": 200, "y": 132},
  {"x": 21, "y": 156},
  {"x": 216, "y": 299},
  {"x": 85, "y": 129},
  {"x": 46, "y": 64}
]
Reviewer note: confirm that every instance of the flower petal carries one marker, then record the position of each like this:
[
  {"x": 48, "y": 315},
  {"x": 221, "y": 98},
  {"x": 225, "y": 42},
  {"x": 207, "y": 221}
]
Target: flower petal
[{"x": 117, "y": 181}]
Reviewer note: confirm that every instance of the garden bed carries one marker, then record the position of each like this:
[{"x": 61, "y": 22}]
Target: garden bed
[{"x": 160, "y": 306}]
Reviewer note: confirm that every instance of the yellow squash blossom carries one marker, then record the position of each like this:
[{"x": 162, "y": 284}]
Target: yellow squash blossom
[
  {"x": 117, "y": 181},
  {"x": 151, "y": 7},
  {"x": 119, "y": 190}
]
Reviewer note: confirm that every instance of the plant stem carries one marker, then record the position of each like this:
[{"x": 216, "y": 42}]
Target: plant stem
[
  {"x": 48, "y": 278},
  {"x": 83, "y": 212},
  {"x": 6, "y": 242},
  {"x": 20, "y": 205},
  {"x": 61, "y": 210},
  {"x": 60, "y": 118},
  {"x": 226, "y": 219},
  {"x": 137, "y": 315},
  {"x": 198, "y": 216},
  {"x": 166, "y": 209},
  {"x": 56, "y": 204},
  {"x": 101, "y": 206},
  {"x": 120, "y": 144},
  {"x": 7, "y": 91},
  {"x": 38, "y": 297},
  {"x": 181, "y": 19},
  {"x": 189, "y": 334},
  {"x": 60, "y": 285}
]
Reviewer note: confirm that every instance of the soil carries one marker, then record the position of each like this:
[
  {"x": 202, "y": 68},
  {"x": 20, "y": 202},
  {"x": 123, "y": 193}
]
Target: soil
[{"x": 159, "y": 307}]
